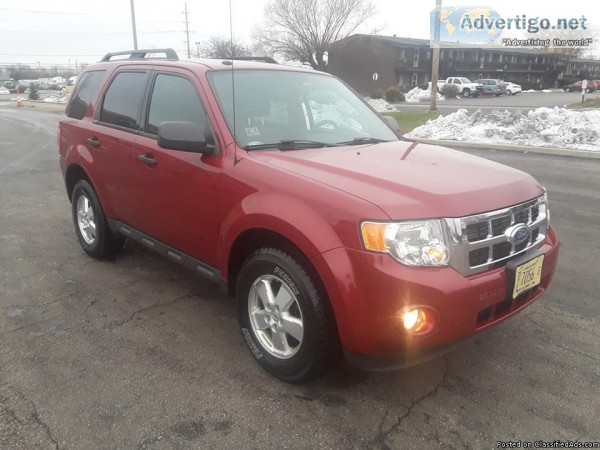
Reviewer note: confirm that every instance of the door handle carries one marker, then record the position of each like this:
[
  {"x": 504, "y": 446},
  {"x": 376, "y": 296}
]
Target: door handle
[
  {"x": 94, "y": 142},
  {"x": 147, "y": 160}
]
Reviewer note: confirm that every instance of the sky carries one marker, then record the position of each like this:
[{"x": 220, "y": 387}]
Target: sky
[{"x": 49, "y": 32}]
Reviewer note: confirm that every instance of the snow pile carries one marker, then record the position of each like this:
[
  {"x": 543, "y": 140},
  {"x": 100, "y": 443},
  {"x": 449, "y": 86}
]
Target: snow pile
[
  {"x": 380, "y": 105},
  {"x": 416, "y": 95},
  {"x": 545, "y": 91},
  {"x": 542, "y": 127},
  {"x": 57, "y": 98}
]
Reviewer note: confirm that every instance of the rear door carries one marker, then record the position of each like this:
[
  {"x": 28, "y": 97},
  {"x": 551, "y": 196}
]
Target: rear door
[
  {"x": 112, "y": 136},
  {"x": 175, "y": 195}
]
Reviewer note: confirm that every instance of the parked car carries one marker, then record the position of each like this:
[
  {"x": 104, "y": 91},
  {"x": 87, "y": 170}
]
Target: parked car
[
  {"x": 465, "y": 86},
  {"x": 333, "y": 234},
  {"x": 4, "y": 91},
  {"x": 513, "y": 88},
  {"x": 493, "y": 86},
  {"x": 577, "y": 87}
]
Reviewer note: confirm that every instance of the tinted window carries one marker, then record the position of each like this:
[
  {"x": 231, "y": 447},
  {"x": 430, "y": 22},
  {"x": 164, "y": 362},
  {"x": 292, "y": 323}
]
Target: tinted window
[
  {"x": 123, "y": 100},
  {"x": 174, "y": 99},
  {"x": 86, "y": 89}
]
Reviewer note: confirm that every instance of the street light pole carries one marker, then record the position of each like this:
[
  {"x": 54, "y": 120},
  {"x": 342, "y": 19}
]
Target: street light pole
[
  {"x": 135, "y": 46},
  {"x": 435, "y": 64}
]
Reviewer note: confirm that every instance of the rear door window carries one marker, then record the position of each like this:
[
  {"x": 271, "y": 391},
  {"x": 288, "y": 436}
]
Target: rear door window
[
  {"x": 84, "y": 92},
  {"x": 123, "y": 100}
]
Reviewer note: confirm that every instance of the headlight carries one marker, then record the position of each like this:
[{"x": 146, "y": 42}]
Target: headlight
[
  {"x": 419, "y": 243},
  {"x": 543, "y": 205}
]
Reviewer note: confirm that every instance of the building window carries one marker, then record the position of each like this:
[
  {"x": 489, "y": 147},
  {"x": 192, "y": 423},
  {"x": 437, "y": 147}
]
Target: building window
[{"x": 415, "y": 79}]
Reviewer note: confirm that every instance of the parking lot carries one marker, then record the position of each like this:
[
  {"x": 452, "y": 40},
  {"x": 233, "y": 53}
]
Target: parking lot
[{"x": 138, "y": 352}]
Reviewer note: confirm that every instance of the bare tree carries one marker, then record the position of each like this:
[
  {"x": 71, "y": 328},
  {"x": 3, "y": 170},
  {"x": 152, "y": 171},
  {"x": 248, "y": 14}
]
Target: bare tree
[
  {"x": 222, "y": 47},
  {"x": 301, "y": 30}
]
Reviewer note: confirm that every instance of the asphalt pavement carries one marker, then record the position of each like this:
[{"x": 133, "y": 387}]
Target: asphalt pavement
[{"x": 138, "y": 352}]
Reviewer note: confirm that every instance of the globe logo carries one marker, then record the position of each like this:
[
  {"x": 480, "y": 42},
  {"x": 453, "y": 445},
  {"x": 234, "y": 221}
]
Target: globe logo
[{"x": 466, "y": 25}]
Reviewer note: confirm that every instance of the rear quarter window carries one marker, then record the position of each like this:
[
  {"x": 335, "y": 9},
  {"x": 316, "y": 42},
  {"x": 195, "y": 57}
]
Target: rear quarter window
[{"x": 84, "y": 93}]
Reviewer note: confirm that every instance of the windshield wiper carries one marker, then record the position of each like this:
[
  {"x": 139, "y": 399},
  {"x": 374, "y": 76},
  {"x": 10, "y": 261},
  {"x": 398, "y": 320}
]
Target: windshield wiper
[
  {"x": 291, "y": 144},
  {"x": 363, "y": 140}
]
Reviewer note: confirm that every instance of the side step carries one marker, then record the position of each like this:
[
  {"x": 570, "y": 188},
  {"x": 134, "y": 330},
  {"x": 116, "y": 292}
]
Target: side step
[{"x": 171, "y": 253}]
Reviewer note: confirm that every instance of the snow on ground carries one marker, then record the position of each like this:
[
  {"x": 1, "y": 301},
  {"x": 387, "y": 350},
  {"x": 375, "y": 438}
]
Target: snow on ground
[
  {"x": 58, "y": 98},
  {"x": 421, "y": 95},
  {"x": 545, "y": 91},
  {"x": 380, "y": 105},
  {"x": 542, "y": 127}
]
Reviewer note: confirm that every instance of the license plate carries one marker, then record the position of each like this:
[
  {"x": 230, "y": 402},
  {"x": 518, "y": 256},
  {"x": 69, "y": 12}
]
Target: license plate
[{"x": 528, "y": 275}]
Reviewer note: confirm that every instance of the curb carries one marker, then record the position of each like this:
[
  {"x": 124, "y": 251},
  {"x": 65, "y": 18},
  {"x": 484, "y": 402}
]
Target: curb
[{"x": 585, "y": 154}]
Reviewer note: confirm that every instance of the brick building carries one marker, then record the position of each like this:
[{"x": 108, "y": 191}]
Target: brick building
[{"x": 406, "y": 62}]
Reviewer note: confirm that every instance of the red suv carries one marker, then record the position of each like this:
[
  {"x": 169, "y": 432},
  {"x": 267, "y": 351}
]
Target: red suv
[{"x": 285, "y": 187}]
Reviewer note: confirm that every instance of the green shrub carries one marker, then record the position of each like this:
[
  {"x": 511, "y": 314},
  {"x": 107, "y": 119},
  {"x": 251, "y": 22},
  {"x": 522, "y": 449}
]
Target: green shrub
[
  {"x": 450, "y": 91},
  {"x": 393, "y": 95},
  {"x": 33, "y": 92},
  {"x": 376, "y": 94}
]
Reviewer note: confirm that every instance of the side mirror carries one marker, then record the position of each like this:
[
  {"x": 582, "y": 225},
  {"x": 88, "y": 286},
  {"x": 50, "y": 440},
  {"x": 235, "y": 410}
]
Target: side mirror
[
  {"x": 184, "y": 136},
  {"x": 391, "y": 122}
]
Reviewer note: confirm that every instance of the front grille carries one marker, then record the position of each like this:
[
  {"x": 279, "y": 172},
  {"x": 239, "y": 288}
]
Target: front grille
[{"x": 483, "y": 241}]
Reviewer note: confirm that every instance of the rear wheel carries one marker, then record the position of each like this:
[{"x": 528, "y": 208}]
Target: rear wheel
[
  {"x": 508, "y": 92},
  {"x": 588, "y": 90},
  {"x": 283, "y": 317},
  {"x": 91, "y": 226}
]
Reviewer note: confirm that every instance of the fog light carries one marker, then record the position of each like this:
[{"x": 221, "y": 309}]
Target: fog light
[{"x": 418, "y": 320}]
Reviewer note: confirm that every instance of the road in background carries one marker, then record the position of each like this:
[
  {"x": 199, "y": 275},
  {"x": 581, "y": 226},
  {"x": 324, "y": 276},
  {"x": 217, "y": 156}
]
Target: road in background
[
  {"x": 138, "y": 352},
  {"x": 522, "y": 101}
]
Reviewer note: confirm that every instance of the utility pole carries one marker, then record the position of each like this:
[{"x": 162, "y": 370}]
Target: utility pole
[
  {"x": 435, "y": 64},
  {"x": 135, "y": 47},
  {"x": 187, "y": 32}
]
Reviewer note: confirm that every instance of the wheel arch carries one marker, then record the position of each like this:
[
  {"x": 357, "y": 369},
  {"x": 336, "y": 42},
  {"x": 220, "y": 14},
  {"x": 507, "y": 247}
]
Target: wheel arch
[
  {"x": 256, "y": 238},
  {"x": 73, "y": 174}
]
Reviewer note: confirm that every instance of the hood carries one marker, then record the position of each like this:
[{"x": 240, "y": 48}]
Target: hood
[{"x": 411, "y": 181}]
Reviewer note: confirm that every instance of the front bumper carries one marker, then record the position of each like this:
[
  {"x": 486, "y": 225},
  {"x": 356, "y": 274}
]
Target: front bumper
[{"x": 367, "y": 291}]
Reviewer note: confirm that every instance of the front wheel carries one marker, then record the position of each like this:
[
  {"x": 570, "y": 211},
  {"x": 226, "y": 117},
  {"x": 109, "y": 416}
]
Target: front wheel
[
  {"x": 466, "y": 93},
  {"x": 283, "y": 317},
  {"x": 91, "y": 226},
  {"x": 588, "y": 90}
]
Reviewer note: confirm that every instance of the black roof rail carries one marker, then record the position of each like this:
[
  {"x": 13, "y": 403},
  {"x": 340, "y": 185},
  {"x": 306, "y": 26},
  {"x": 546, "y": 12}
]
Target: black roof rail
[
  {"x": 141, "y": 54},
  {"x": 266, "y": 59}
]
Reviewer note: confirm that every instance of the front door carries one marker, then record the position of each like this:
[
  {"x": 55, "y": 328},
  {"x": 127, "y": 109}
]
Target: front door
[{"x": 174, "y": 195}]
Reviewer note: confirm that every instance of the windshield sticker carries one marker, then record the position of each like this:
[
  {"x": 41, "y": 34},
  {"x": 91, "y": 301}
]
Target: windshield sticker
[{"x": 252, "y": 131}]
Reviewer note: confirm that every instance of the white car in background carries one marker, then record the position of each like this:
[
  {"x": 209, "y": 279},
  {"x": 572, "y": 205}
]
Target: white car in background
[
  {"x": 3, "y": 90},
  {"x": 512, "y": 88}
]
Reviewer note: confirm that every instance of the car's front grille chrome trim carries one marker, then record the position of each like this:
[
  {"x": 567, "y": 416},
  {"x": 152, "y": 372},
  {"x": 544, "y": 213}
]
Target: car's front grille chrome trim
[{"x": 481, "y": 242}]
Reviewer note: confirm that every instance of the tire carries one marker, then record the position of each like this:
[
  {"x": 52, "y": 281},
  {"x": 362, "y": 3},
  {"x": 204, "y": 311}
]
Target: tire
[
  {"x": 290, "y": 331},
  {"x": 568, "y": 90},
  {"x": 91, "y": 226},
  {"x": 588, "y": 90},
  {"x": 508, "y": 92},
  {"x": 466, "y": 93}
]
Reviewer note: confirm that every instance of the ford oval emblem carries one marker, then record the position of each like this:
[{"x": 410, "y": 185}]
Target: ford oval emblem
[{"x": 517, "y": 234}]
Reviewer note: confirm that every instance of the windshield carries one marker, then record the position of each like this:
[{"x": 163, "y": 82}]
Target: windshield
[
  {"x": 465, "y": 80},
  {"x": 307, "y": 109}
]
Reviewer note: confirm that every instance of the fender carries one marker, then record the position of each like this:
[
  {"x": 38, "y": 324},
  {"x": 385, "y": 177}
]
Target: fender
[{"x": 281, "y": 214}]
